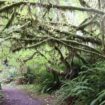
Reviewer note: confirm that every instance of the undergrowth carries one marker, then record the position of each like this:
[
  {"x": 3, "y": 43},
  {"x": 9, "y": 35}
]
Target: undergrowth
[{"x": 87, "y": 89}]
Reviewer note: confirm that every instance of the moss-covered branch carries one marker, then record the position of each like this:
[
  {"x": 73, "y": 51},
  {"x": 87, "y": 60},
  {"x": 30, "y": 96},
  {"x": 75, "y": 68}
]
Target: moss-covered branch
[{"x": 61, "y": 7}]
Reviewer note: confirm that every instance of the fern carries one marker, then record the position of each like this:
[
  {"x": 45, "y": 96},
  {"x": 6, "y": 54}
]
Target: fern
[
  {"x": 102, "y": 103},
  {"x": 74, "y": 89},
  {"x": 100, "y": 99},
  {"x": 87, "y": 88}
]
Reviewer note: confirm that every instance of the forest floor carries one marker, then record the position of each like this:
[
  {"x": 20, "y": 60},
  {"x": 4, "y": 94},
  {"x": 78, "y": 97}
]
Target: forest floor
[
  {"x": 15, "y": 96},
  {"x": 32, "y": 90}
]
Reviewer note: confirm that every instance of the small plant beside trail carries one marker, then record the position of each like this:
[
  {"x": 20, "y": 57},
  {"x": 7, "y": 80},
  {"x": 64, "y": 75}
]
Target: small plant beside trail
[{"x": 1, "y": 95}]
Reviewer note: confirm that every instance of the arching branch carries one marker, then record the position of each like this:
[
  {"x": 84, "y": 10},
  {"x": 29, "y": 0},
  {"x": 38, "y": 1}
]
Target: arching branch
[{"x": 61, "y": 7}]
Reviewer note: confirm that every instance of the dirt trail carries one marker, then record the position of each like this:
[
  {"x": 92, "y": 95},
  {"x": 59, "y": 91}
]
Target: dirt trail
[{"x": 14, "y": 96}]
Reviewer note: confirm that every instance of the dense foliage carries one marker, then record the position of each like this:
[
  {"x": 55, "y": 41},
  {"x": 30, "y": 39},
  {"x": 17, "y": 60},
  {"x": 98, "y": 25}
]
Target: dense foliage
[
  {"x": 87, "y": 89},
  {"x": 58, "y": 44}
]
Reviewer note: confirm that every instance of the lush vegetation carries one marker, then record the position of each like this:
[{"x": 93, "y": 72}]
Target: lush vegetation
[
  {"x": 87, "y": 88},
  {"x": 58, "y": 45}
]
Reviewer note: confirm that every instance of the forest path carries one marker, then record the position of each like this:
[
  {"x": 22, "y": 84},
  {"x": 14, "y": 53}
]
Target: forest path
[{"x": 14, "y": 96}]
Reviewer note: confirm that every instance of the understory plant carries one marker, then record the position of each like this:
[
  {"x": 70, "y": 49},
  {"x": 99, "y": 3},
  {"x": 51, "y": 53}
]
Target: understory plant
[
  {"x": 49, "y": 83},
  {"x": 87, "y": 89}
]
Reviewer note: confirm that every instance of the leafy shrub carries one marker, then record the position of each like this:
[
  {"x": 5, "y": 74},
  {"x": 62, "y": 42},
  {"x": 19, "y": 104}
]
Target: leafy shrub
[
  {"x": 1, "y": 98},
  {"x": 30, "y": 77},
  {"x": 87, "y": 89},
  {"x": 49, "y": 83},
  {"x": 1, "y": 95}
]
